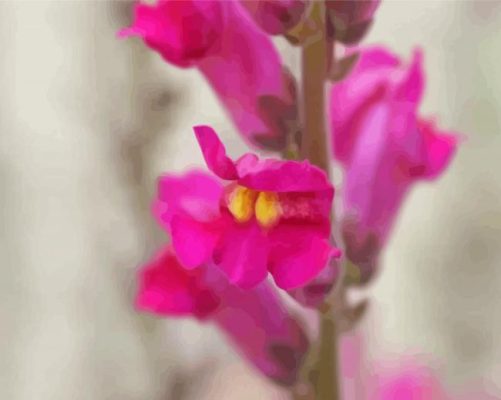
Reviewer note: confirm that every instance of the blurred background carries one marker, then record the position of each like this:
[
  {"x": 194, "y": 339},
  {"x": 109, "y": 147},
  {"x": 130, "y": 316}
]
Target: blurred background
[{"x": 87, "y": 122}]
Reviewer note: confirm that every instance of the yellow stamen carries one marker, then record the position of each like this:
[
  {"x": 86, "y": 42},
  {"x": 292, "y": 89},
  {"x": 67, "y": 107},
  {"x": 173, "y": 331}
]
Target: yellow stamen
[
  {"x": 267, "y": 208},
  {"x": 241, "y": 203}
]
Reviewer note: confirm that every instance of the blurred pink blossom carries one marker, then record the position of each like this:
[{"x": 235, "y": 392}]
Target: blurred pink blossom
[
  {"x": 402, "y": 378},
  {"x": 409, "y": 382},
  {"x": 236, "y": 57},
  {"x": 276, "y": 16},
  {"x": 274, "y": 216},
  {"x": 383, "y": 145},
  {"x": 255, "y": 320}
]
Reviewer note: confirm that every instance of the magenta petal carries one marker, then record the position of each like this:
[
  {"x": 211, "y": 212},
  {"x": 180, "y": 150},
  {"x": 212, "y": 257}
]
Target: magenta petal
[
  {"x": 181, "y": 31},
  {"x": 257, "y": 322},
  {"x": 411, "y": 87},
  {"x": 195, "y": 193},
  {"x": 286, "y": 176},
  {"x": 247, "y": 163},
  {"x": 166, "y": 288},
  {"x": 374, "y": 187},
  {"x": 346, "y": 120},
  {"x": 368, "y": 84},
  {"x": 215, "y": 153},
  {"x": 298, "y": 254},
  {"x": 366, "y": 159},
  {"x": 243, "y": 255},
  {"x": 374, "y": 58},
  {"x": 193, "y": 241},
  {"x": 439, "y": 148}
]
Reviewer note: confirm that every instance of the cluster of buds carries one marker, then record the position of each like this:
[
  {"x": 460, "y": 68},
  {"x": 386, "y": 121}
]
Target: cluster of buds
[{"x": 252, "y": 219}]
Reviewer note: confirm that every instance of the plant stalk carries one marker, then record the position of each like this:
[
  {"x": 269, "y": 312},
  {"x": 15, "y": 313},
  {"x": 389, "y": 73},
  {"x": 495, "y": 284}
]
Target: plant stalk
[
  {"x": 314, "y": 71},
  {"x": 323, "y": 376}
]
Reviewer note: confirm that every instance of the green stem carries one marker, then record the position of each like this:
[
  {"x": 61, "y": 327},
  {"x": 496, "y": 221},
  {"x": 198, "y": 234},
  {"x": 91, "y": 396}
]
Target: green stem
[
  {"x": 314, "y": 67},
  {"x": 327, "y": 382},
  {"x": 323, "y": 375}
]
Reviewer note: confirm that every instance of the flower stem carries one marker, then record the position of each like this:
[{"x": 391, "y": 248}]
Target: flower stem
[
  {"x": 327, "y": 376},
  {"x": 323, "y": 375},
  {"x": 314, "y": 71}
]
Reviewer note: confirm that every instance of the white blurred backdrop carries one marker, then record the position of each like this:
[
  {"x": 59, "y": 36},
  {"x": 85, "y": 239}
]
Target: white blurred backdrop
[{"x": 88, "y": 121}]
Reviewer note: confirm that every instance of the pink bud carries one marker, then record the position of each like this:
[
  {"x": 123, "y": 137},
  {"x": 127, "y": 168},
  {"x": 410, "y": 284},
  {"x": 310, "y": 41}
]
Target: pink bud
[
  {"x": 351, "y": 19},
  {"x": 276, "y": 16}
]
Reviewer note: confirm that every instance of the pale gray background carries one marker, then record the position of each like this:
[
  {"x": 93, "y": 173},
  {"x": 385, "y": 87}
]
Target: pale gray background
[{"x": 88, "y": 121}]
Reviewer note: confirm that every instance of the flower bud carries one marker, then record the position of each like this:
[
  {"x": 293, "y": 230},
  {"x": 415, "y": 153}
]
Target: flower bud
[
  {"x": 276, "y": 16},
  {"x": 351, "y": 19}
]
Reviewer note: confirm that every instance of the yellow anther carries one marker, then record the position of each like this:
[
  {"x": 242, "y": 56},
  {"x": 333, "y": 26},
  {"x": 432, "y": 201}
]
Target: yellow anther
[
  {"x": 267, "y": 208},
  {"x": 241, "y": 203}
]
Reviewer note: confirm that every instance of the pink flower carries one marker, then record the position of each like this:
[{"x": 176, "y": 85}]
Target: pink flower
[
  {"x": 384, "y": 147},
  {"x": 411, "y": 382},
  {"x": 402, "y": 378},
  {"x": 255, "y": 320},
  {"x": 236, "y": 57},
  {"x": 351, "y": 19},
  {"x": 273, "y": 216},
  {"x": 276, "y": 16}
]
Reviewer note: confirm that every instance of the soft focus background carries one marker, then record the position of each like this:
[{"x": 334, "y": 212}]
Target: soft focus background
[{"x": 88, "y": 121}]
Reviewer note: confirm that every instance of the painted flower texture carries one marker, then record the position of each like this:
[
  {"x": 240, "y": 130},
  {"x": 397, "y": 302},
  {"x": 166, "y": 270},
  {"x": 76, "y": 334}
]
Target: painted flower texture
[
  {"x": 228, "y": 231},
  {"x": 384, "y": 146},
  {"x": 244, "y": 231},
  {"x": 255, "y": 321},
  {"x": 238, "y": 59},
  {"x": 253, "y": 217}
]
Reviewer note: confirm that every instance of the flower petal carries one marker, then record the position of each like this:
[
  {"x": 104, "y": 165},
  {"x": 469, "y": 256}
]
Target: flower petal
[
  {"x": 243, "y": 254},
  {"x": 368, "y": 84},
  {"x": 438, "y": 150},
  {"x": 193, "y": 241},
  {"x": 298, "y": 254},
  {"x": 166, "y": 288},
  {"x": 215, "y": 153},
  {"x": 411, "y": 87},
  {"x": 257, "y": 322},
  {"x": 181, "y": 31},
  {"x": 374, "y": 185},
  {"x": 285, "y": 176},
  {"x": 374, "y": 58},
  {"x": 195, "y": 193}
]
